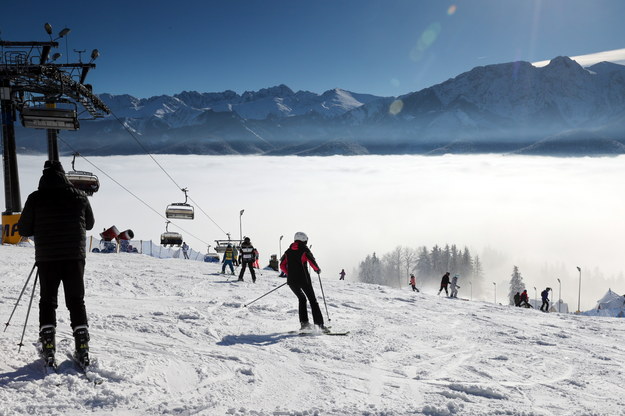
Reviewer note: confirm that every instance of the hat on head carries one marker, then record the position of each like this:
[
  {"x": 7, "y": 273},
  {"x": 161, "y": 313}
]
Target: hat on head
[{"x": 53, "y": 165}]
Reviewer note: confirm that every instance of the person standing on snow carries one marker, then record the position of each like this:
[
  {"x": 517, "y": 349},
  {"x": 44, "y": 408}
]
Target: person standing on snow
[
  {"x": 444, "y": 283},
  {"x": 342, "y": 274},
  {"x": 58, "y": 215},
  {"x": 185, "y": 249},
  {"x": 545, "y": 297},
  {"x": 525, "y": 300},
  {"x": 228, "y": 259},
  {"x": 454, "y": 286},
  {"x": 413, "y": 282},
  {"x": 295, "y": 265},
  {"x": 256, "y": 259},
  {"x": 246, "y": 258},
  {"x": 517, "y": 299}
]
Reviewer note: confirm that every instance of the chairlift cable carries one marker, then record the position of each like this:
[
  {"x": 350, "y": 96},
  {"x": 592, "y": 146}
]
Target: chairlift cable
[
  {"x": 130, "y": 192},
  {"x": 162, "y": 168}
]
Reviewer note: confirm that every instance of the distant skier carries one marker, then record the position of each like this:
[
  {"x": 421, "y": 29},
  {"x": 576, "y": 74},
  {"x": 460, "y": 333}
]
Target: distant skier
[
  {"x": 256, "y": 259},
  {"x": 185, "y": 249},
  {"x": 545, "y": 297},
  {"x": 444, "y": 283},
  {"x": 454, "y": 286},
  {"x": 58, "y": 215},
  {"x": 295, "y": 265},
  {"x": 525, "y": 300},
  {"x": 342, "y": 274},
  {"x": 517, "y": 299},
  {"x": 227, "y": 259},
  {"x": 413, "y": 283},
  {"x": 246, "y": 258}
]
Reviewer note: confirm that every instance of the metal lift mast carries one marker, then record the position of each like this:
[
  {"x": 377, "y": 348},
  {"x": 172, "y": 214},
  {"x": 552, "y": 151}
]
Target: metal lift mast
[{"x": 30, "y": 76}]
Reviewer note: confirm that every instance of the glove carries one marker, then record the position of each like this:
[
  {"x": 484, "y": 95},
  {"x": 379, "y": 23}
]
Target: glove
[{"x": 319, "y": 271}]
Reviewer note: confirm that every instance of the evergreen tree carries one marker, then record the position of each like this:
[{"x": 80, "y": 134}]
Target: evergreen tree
[
  {"x": 454, "y": 260},
  {"x": 516, "y": 284},
  {"x": 446, "y": 260},
  {"x": 466, "y": 264},
  {"x": 369, "y": 270},
  {"x": 436, "y": 260},
  {"x": 424, "y": 264},
  {"x": 478, "y": 270}
]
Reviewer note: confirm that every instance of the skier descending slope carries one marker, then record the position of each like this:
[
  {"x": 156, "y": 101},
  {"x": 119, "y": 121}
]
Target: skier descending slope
[
  {"x": 294, "y": 265},
  {"x": 58, "y": 215}
]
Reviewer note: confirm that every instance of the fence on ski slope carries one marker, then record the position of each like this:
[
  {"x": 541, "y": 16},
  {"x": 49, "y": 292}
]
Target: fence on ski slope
[{"x": 148, "y": 248}]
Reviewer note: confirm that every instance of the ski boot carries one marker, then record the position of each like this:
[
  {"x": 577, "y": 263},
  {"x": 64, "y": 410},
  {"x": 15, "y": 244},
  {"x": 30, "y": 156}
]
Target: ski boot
[
  {"x": 306, "y": 327},
  {"x": 81, "y": 336},
  {"x": 323, "y": 329},
  {"x": 48, "y": 344}
]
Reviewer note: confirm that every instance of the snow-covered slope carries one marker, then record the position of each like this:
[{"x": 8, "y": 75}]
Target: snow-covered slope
[{"x": 171, "y": 337}]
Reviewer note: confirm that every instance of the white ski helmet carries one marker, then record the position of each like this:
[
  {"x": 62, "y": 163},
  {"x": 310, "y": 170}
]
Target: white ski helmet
[{"x": 300, "y": 236}]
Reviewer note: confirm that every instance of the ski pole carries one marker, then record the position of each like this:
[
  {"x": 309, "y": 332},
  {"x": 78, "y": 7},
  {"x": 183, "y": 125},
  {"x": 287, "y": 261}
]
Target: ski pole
[
  {"x": 324, "y": 296},
  {"x": 6, "y": 325},
  {"x": 272, "y": 290},
  {"x": 21, "y": 344}
]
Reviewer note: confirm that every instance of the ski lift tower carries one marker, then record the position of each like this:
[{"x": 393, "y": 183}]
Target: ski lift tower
[{"x": 48, "y": 95}]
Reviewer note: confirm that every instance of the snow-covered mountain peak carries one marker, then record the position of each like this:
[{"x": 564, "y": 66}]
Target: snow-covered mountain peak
[
  {"x": 606, "y": 68},
  {"x": 277, "y": 91}
]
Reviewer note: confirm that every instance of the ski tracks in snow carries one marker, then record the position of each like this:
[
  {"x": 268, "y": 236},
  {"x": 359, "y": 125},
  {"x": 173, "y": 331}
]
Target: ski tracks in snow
[{"x": 170, "y": 339}]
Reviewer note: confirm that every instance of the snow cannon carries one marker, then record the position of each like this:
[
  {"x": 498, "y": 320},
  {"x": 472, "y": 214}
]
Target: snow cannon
[
  {"x": 109, "y": 234},
  {"x": 126, "y": 235}
]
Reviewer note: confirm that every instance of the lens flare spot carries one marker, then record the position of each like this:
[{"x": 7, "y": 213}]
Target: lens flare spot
[
  {"x": 395, "y": 82},
  {"x": 452, "y": 9},
  {"x": 427, "y": 38},
  {"x": 396, "y": 107}
]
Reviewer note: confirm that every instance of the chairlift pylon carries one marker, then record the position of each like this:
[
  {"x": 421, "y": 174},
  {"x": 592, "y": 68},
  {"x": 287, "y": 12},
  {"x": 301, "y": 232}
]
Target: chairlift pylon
[
  {"x": 170, "y": 238},
  {"x": 180, "y": 210},
  {"x": 85, "y": 181}
]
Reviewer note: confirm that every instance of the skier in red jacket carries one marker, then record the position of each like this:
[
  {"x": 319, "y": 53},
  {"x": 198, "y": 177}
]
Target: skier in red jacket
[{"x": 294, "y": 264}]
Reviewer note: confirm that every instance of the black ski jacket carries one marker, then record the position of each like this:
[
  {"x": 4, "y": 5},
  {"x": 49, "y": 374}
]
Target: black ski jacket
[
  {"x": 57, "y": 215},
  {"x": 294, "y": 264},
  {"x": 445, "y": 279},
  {"x": 246, "y": 253}
]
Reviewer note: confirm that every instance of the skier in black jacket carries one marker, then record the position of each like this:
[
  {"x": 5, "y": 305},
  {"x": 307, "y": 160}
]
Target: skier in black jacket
[
  {"x": 247, "y": 258},
  {"x": 58, "y": 215},
  {"x": 295, "y": 265},
  {"x": 444, "y": 283}
]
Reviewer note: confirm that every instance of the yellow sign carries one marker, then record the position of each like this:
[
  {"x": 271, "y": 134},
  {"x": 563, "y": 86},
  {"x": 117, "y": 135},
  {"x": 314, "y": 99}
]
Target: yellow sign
[{"x": 10, "y": 234}]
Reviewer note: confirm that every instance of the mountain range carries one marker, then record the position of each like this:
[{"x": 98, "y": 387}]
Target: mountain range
[{"x": 560, "y": 109}]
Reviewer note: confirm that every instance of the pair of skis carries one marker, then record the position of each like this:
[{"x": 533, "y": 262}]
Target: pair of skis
[
  {"x": 328, "y": 331},
  {"x": 50, "y": 366}
]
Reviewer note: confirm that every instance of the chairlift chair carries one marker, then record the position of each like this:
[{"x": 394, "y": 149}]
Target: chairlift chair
[
  {"x": 180, "y": 210},
  {"x": 171, "y": 238},
  {"x": 85, "y": 181},
  {"x": 39, "y": 117},
  {"x": 222, "y": 245}
]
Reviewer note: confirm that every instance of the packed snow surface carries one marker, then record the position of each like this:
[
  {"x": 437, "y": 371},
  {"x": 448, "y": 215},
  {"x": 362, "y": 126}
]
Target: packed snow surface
[{"x": 171, "y": 336}]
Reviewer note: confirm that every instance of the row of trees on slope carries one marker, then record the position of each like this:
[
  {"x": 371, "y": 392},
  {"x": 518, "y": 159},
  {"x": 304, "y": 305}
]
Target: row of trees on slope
[{"x": 428, "y": 265}]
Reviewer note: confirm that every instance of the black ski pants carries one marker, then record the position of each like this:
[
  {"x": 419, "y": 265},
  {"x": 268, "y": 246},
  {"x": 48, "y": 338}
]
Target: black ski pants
[
  {"x": 545, "y": 305},
  {"x": 443, "y": 286},
  {"x": 251, "y": 266},
  {"x": 304, "y": 292},
  {"x": 51, "y": 274}
]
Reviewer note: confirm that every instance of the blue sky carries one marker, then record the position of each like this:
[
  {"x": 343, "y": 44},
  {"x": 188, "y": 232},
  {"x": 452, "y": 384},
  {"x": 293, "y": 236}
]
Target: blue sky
[{"x": 386, "y": 47}]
